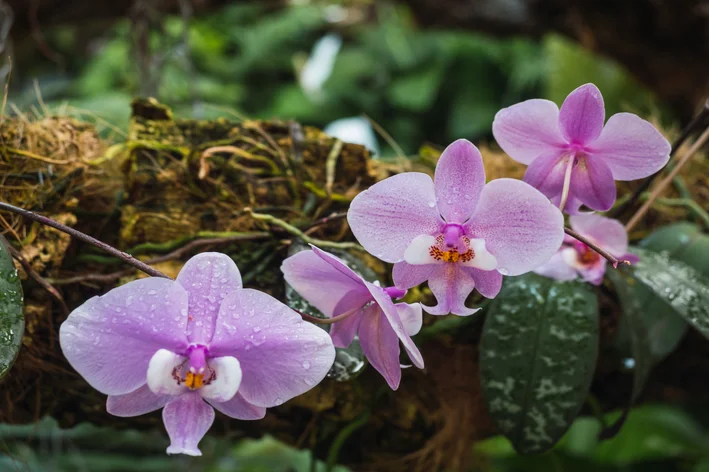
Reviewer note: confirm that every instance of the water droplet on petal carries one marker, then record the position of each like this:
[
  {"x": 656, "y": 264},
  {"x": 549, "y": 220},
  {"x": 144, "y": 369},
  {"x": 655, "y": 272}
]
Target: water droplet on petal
[
  {"x": 306, "y": 365},
  {"x": 431, "y": 204},
  {"x": 503, "y": 271}
]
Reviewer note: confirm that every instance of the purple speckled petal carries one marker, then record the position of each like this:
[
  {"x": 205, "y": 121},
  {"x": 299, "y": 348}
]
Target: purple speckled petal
[
  {"x": 343, "y": 332},
  {"x": 528, "y": 129},
  {"x": 459, "y": 179},
  {"x": 487, "y": 282},
  {"x": 593, "y": 184},
  {"x": 606, "y": 232},
  {"x": 594, "y": 274},
  {"x": 557, "y": 268},
  {"x": 239, "y": 408},
  {"x": 392, "y": 315},
  {"x": 407, "y": 276},
  {"x": 281, "y": 355},
  {"x": 521, "y": 228},
  {"x": 411, "y": 316},
  {"x": 136, "y": 403},
  {"x": 187, "y": 419},
  {"x": 381, "y": 345},
  {"x": 546, "y": 173},
  {"x": 582, "y": 114},
  {"x": 110, "y": 339},
  {"x": 391, "y": 213},
  {"x": 208, "y": 278},
  {"x": 322, "y": 284},
  {"x": 631, "y": 147},
  {"x": 451, "y": 285}
]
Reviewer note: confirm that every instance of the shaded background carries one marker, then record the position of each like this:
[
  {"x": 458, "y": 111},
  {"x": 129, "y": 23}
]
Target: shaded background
[{"x": 400, "y": 75}]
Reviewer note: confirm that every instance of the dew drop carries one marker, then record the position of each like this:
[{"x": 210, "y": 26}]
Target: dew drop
[
  {"x": 257, "y": 329},
  {"x": 503, "y": 271},
  {"x": 306, "y": 365},
  {"x": 431, "y": 204},
  {"x": 152, "y": 292}
]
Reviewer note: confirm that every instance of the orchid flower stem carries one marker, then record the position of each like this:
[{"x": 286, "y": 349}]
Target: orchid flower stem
[
  {"x": 606, "y": 255},
  {"x": 567, "y": 182},
  {"x": 701, "y": 140},
  {"x": 124, "y": 256},
  {"x": 326, "y": 321}
]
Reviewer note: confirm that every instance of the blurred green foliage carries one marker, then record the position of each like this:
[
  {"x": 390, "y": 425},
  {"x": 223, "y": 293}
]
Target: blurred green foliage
[
  {"x": 654, "y": 438},
  {"x": 419, "y": 85},
  {"x": 44, "y": 447}
]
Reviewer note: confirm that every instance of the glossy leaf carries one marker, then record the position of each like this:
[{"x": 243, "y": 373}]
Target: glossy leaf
[
  {"x": 537, "y": 357},
  {"x": 682, "y": 241},
  {"x": 12, "y": 321},
  {"x": 677, "y": 284}
]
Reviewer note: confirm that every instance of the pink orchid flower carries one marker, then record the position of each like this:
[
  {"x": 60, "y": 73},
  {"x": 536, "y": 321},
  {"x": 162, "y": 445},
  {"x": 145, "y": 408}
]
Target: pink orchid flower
[
  {"x": 455, "y": 231},
  {"x": 155, "y": 343},
  {"x": 333, "y": 288},
  {"x": 573, "y": 159},
  {"x": 575, "y": 259}
]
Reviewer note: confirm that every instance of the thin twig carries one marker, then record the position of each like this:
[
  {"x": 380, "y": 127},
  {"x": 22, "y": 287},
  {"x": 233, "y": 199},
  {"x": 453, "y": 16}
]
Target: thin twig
[
  {"x": 326, "y": 220},
  {"x": 387, "y": 137},
  {"x": 171, "y": 256},
  {"x": 38, "y": 278},
  {"x": 327, "y": 321},
  {"x": 296, "y": 232},
  {"x": 696, "y": 122},
  {"x": 606, "y": 255},
  {"x": 667, "y": 180},
  {"x": 124, "y": 256}
]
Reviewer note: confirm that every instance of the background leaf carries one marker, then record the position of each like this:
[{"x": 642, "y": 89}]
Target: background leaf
[
  {"x": 12, "y": 321},
  {"x": 537, "y": 357}
]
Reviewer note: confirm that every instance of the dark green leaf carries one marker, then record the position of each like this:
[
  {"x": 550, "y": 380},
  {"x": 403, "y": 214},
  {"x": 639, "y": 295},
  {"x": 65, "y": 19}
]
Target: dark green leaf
[
  {"x": 683, "y": 241},
  {"x": 635, "y": 325},
  {"x": 677, "y": 284},
  {"x": 537, "y": 357},
  {"x": 12, "y": 321}
]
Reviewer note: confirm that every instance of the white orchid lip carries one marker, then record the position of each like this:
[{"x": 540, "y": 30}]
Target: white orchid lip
[{"x": 428, "y": 249}]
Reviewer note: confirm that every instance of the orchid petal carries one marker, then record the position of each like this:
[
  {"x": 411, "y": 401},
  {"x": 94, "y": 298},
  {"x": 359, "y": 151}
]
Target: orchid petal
[
  {"x": 582, "y": 114},
  {"x": 187, "y": 419},
  {"x": 160, "y": 369},
  {"x": 528, "y": 129},
  {"x": 391, "y": 213},
  {"x": 343, "y": 332},
  {"x": 227, "y": 371},
  {"x": 482, "y": 260},
  {"x": 407, "y": 276},
  {"x": 129, "y": 323},
  {"x": 392, "y": 315},
  {"x": 322, "y": 284},
  {"x": 546, "y": 173},
  {"x": 381, "y": 345},
  {"x": 487, "y": 282},
  {"x": 281, "y": 356},
  {"x": 593, "y": 183},
  {"x": 208, "y": 278},
  {"x": 521, "y": 228},
  {"x": 459, "y": 179},
  {"x": 557, "y": 268},
  {"x": 608, "y": 233},
  {"x": 631, "y": 147},
  {"x": 451, "y": 285},
  {"x": 239, "y": 408},
  {"x": 138, "y": 402},
  {"x": 411, "y": 316},
  {"x": 418, "y": 252}
]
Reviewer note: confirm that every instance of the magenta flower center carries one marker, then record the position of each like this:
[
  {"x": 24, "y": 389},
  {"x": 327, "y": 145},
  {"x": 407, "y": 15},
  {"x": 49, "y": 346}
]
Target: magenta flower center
[
  {"x": 195, "y": 370},
  {"x": 586, "y": 255}
]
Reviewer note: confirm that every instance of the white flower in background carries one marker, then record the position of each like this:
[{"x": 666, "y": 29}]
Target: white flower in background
[
  {"x": 355, "y": 130},
  {"x": 319, "y": 65}
]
